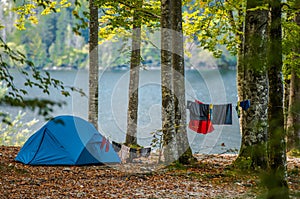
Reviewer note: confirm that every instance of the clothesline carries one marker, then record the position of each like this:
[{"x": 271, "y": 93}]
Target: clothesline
[
  {"x": 127, "y": 154},
  {"x": 204, "y": 116}
]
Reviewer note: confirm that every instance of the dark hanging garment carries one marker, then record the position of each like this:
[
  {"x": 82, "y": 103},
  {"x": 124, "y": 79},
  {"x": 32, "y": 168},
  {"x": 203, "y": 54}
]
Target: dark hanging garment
[
  {"x": 199, "y": 117},
  {"x": 116, "y": 146},
  {"x": 245, "y": 104},
  {"x": 145, "y": 152},
  {"x": 222, "y": 114},
  {"x": 198, "y": 111},
  {"x": 219, "y": 114}
]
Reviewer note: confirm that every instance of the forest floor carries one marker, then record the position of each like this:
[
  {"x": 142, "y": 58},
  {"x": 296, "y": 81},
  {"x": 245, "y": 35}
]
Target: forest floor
[{"x": 209, "y": 178}]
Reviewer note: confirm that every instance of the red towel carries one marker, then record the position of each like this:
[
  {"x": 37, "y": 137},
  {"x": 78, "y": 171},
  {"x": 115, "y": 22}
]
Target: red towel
[{"x": 201, "y": 126}]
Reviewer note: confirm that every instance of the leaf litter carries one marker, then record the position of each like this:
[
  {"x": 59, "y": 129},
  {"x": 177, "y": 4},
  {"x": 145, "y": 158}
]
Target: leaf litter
[{"x": 210, "y": 177}]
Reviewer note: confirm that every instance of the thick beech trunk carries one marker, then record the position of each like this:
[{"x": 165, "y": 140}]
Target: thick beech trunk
[
  {"x": 253, "y": 85},
  {"x": 169, "y": 143},
  {"x": 277, "y": 185},
  {"x": 184, "y": 150}
]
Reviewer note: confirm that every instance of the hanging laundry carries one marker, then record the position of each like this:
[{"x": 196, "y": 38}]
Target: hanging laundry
[
  {"x": 221, "y": 114},
  {"x": 128, "y": 153},
  {"x": 133, "y": 153},
  {"x": 198, "y": 110},
  {"x": 116, "y": 146},
  {"x": 199, "y": 117},
  {"x": 124, "y": 153},
  {"x": 245, "y": 104},
  {"x": 218, "y": 114},
  {"x": 139, "y": 152},
  {"x": 201, "y": 126},
  {"x": 145, "y": 152}
]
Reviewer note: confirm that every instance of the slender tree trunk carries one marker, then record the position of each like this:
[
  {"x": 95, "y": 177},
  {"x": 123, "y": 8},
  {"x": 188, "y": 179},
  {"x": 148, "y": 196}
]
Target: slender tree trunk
[
  {"x": 277, "y": 186},
  {"x": 293, "y": 119},
  {"x": 132, "y": 114},
  {"x": 166, "y": 83},
  {"x": 93, "y": 64},
  {"x": 184, "y": 150},
  {"x": 286, "y": 101},
  {"x": 241, "y": 78},
  {"x": 253, "y": 79}
]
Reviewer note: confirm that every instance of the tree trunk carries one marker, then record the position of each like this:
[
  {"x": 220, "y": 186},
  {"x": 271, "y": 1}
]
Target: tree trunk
[
  {"x": 277, "y": 186},
  {"x": 293, "y": 119},
  {"x": 286, "y": 101},
  {"x": 253, "y": 79},
  {"x": 166, "y": 83},
  {"x": 132, "y": 114},
  {"x": 184, "y": 150},
  {"x": 241, "y": 80},
  {"x": 93, "y": 64}
]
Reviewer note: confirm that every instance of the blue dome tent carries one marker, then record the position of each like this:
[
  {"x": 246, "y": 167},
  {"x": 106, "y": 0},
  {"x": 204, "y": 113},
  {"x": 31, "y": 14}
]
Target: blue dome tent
[{"x": 67, "y": 140}]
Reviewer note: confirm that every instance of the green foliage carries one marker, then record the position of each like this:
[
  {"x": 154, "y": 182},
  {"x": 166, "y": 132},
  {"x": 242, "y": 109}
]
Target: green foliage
[
  {"x": 116, "y": 21},
  {"x": 17, "y": 132},
  {"x": 61, "y": 39},
  {"x": 24, "y": 50},
  {"x": 291, "y": 40},
  {"x": 116, "y": 24},
  {"x": 49, "y": 47},
  {"x": 213, "y": 23},
  {"x": 28, "y": 10},
  {"x": 18, "y": 97},
  {"x": 294, "y": 153},
  {"x": 42, "y": 81}
]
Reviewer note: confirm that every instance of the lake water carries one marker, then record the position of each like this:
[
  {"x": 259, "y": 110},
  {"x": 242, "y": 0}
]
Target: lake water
[{"x": 209, "y": 86}]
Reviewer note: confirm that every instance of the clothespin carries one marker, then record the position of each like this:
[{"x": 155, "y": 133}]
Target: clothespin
[{"x": 210, "y": 111}]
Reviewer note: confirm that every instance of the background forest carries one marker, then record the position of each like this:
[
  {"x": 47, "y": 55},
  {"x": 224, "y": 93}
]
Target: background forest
[{"x": 52, "y": 44}]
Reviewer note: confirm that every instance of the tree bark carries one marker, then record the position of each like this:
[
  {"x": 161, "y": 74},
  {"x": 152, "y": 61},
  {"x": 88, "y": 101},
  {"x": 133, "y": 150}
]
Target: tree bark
[
  {"x": 277, "y": 186},
  {"x": 132, "y": 114},
  {"x": 184, "y": 150},
  {"x": 166, "y": 83},
  {"x": 93, "y": 64},
  {"x": 293, "y": 119},
  {"x": 252, "y": 76},
  {"x": 286, "y": 101},
  {"x": 241, "y": 77}
]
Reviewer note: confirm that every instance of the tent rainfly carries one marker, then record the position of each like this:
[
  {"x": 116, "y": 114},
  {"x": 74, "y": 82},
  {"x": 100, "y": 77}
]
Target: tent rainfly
[{"x": 67, "y": 140}]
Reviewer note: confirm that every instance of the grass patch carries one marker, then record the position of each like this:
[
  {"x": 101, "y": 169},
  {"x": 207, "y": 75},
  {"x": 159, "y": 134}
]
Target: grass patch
[{"x": 176, "y": 166}]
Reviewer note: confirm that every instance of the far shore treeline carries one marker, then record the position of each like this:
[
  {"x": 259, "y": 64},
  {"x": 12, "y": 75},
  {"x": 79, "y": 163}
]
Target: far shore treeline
[{"x": 52, "y": 44}]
